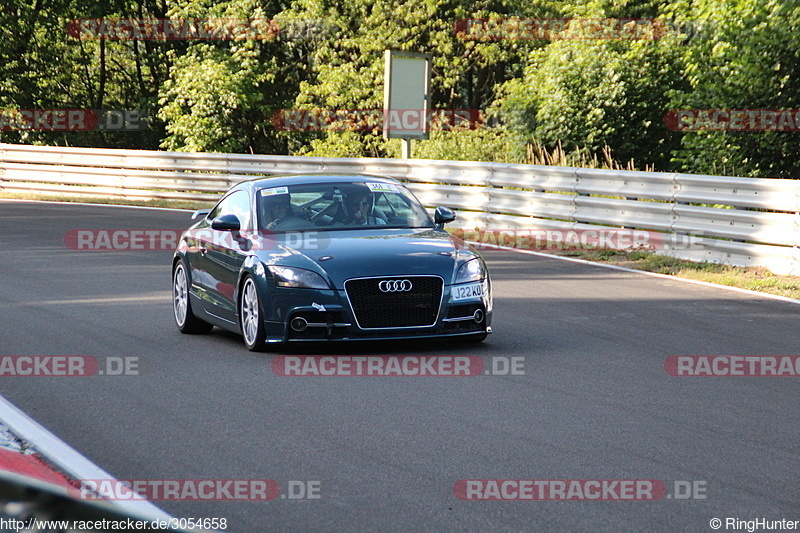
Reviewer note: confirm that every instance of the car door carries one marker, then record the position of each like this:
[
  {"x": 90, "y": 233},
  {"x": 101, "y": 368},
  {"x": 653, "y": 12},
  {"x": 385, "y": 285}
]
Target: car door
[{"x": 224, "y": 254}]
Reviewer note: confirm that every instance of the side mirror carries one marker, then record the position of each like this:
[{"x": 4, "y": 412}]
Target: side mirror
[
  {"x": 200, "y": 213},
  {"x": 443, "y": 215},
  {"x": 226, "y": 223}
]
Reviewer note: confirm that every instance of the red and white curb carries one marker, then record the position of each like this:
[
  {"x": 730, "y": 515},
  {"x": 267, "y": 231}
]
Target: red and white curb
[{"x": 69, "y": 461}]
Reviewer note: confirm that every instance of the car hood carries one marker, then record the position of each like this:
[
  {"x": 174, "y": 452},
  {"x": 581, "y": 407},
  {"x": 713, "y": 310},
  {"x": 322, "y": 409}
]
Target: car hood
[{"x": 345, "y": 254}]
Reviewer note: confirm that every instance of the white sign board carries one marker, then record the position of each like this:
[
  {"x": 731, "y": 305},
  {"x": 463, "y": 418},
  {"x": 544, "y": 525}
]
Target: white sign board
[{"x": 406, "y": 95}]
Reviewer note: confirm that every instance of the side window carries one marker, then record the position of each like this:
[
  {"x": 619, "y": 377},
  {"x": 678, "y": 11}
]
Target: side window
[{"x": 237, "y": 204}]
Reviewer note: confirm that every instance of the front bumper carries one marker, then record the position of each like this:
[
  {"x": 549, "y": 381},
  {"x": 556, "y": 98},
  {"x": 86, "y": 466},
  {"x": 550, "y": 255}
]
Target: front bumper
[{"x": 328, "y": 316}]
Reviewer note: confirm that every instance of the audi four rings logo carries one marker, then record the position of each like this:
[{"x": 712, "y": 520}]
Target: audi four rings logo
[{"x": 395, "y": 285}]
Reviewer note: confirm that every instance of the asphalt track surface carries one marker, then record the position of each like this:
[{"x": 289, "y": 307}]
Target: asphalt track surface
[{"x": 595, "y": 401}]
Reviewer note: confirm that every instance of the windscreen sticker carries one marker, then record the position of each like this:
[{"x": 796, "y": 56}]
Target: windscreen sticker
[
  {"x": 274, "y": 190},
  {"x": 381, "y": 187}
]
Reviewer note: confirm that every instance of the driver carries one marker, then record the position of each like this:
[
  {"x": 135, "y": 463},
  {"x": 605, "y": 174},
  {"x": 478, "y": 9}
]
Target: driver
[
  {"x": 277, "y": 214},
  {"x": 358, "y": 205}
]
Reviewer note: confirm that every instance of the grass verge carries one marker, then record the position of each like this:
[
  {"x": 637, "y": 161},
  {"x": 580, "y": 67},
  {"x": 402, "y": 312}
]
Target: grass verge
[{"x": 751, "y": 278}]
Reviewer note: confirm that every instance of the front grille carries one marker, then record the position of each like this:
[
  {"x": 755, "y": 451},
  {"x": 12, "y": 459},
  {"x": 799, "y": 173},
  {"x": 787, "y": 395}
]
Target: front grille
[{"x": 413, "y": 308}]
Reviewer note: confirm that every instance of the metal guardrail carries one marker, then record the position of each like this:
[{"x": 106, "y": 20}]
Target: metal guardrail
[{"x": 754, "y": 221}]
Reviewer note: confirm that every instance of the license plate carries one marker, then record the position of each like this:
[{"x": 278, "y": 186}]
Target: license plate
[{"x": 465, "y": 292}]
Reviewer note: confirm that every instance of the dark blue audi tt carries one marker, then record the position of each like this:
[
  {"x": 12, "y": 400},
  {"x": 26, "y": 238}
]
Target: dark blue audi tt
[{"x": 328, "y": 257}]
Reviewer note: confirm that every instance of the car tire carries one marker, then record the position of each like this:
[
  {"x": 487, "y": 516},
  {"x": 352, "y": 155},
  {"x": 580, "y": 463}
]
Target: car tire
[
  {"x": 185, "y": 318},
  {"x": 251, "y": 321}
]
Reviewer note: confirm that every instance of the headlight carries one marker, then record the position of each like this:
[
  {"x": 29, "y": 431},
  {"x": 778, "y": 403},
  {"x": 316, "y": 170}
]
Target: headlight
[
  {"x": 472, "y": 270},
  {"x": 297, "y": 277}
]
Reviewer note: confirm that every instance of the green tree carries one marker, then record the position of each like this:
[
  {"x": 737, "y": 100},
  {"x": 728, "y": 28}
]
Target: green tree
[
  {"x": 347, "y": 64},
  {"x": 746, "y": 55},
  {"x": 44, "y": 67},
  {"x": 221, "y": 94},
  {"x": 584, "y": 93}
]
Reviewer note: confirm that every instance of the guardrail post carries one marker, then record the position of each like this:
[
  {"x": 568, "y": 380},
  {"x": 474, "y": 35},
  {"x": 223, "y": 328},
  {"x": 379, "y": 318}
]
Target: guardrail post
[
  {"x": 795, "y": 267},
  {"x": 2, "y": 168},
  {"x": 486, "y": 209},
  {"x": 575, "y": 206},
  {"x": 673, "y": 202}
]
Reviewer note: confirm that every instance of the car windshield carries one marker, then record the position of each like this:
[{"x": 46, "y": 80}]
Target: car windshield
[{"x": 335, "y": 206}]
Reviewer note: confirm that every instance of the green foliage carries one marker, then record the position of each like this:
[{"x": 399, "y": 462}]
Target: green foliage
[
  {"x": 569, "y": 102},
  {"x": 342, "y": 144},
  {"x": 221, "y": 94},
  {"x": 347, "y": 64},
  {"x": 483, "y": 144},
  {"x": 43, "y": 67},
  {"x": 586, "y": 94},
  {"x": 746, "y": 57},
  {"x": 208, "y": 99}
]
